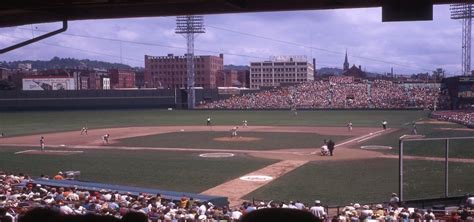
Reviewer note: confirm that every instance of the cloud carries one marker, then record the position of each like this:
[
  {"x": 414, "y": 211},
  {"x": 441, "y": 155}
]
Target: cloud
[{"x": 407, "y": 46}]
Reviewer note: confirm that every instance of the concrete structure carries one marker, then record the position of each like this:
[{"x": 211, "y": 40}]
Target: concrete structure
[
  {"x": 281, "y": 69},
  {"x": 120, "y": 78},
  {"x": 170, "y": 71}
]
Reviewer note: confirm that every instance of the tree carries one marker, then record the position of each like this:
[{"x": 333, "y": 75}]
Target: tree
[{"x": 438, "y": 74}]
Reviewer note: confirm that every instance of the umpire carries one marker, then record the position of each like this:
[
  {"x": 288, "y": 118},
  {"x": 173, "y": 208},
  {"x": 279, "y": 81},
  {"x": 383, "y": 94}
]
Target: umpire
[{"x": 331, "y": 146}]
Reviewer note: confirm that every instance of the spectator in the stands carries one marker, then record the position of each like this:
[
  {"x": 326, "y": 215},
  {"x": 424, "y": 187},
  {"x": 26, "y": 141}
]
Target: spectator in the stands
[{"x": 317, "y": 210}]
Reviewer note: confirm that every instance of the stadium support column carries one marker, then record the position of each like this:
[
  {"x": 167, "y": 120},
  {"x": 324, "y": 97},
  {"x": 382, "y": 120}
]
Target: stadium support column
[
  {"x": 189, "y": 26},
  {"x": 400, "y": 169},
  {"x": 446, "y": 169},
  {"x": 464, "y": 12},
  {"x": 190, "y": 70}
]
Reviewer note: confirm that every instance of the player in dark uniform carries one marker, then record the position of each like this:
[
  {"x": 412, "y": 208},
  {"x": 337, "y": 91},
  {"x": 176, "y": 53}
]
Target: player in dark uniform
[{"x": 331, "y": 146}]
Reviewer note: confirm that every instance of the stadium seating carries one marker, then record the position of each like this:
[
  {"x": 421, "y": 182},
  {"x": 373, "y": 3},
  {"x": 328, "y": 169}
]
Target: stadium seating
[
  {"x": 379, "y": 94},
  {"x": 23, "y": 201}
]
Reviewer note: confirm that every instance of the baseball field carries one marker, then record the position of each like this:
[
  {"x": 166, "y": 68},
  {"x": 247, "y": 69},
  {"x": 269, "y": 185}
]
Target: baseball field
[{"x": 175, "y": 150}]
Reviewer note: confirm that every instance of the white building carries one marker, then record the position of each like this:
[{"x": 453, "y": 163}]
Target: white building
[{"x": 281, "y": 69}]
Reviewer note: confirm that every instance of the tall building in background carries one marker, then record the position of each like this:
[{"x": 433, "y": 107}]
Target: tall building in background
[
  {"x": 346, "y": 64},
  {"x": 120, "y": 78},
  {"x": 170, "y": 71},
  {"x": 280, "y": 70}
]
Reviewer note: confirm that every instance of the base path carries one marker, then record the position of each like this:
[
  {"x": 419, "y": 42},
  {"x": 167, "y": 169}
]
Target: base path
[{"x": 237, "y": 188}]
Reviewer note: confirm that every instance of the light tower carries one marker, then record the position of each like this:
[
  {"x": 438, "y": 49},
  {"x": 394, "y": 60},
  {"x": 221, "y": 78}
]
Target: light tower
[
  {"x": 189, "y": 26},
  {"x": 464, "y": 12}
]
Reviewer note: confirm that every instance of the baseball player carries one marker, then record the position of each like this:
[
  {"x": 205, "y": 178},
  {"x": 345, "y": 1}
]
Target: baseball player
[
  {"x": 42, "y": 143},
  {"x": 349, "y": 126},
  {"x": 295, "y": 112},
  {"x": 105, "y": 138},
  {"x": 413, "y": 128},
  {"x": 84, "y": 130},
  {"x": 234, "y": 131},
  {"x": 324, "y": 150}
]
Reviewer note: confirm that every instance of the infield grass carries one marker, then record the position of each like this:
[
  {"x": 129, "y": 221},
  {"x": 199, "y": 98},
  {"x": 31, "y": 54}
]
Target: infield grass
[
  {"x": 175, "y": 171},
  {"x": 205, "y": 140}
]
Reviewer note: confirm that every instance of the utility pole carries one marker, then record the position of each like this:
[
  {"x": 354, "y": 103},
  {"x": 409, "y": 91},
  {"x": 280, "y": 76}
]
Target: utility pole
[
  {"x": 190, "y": 26},
  {"x": 464, "y": 12}
]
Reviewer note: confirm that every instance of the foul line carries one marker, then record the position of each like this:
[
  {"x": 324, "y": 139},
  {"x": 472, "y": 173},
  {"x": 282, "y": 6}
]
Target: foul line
[
  {"x": 24, "y": 151},
  {"x": 369, "y": 137},
  {"x": 51, "y": 151},
  {"x": 360, "y": 137}
]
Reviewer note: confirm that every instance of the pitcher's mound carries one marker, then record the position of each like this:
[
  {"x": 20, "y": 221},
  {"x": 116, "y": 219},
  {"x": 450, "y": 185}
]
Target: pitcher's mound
[{"x": 237, "y": 139}]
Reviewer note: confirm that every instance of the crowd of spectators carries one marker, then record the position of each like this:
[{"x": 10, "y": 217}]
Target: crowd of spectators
[
  {"x": 465, "y": 117},
  {"x": 17, "y": 200},
  {"x": 340, "y": 94},
  {"x": 24, "y": 202}
]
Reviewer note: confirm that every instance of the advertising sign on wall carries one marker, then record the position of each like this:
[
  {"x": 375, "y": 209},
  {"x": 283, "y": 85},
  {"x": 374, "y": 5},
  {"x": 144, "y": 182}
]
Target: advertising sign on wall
[{"x": 49, "y": 84}]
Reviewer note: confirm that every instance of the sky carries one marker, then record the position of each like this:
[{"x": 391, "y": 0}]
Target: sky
[{"x": 408, "y": 47}]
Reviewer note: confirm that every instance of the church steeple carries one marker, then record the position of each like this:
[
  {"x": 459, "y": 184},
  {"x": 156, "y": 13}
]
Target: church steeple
[{"x": 346, "y": 63}]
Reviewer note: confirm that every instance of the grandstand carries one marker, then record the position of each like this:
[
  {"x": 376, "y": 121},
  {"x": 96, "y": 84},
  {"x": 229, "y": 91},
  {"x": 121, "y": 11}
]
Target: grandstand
[
  {"x": 379, "y": 94},
  {"x": 18, "y": 193}
]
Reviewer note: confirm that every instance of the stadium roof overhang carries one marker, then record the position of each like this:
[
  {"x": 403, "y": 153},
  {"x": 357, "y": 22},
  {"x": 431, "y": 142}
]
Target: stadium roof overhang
[{"x": 14, "y": 13}]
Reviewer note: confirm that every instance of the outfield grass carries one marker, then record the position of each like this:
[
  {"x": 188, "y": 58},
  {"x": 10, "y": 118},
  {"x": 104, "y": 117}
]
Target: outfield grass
[
  {"x": 176, "y": 171},
  {"x": 341, "y": 182},
  {"x": 205, "y": 140},
  {"x": 22, "y": 123},
  {"x": 458, "y": 149}
]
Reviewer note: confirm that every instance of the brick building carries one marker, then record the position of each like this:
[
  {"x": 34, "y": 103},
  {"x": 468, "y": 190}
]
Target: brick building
[
  {"x": 170, "y": 71},
  {"x": 233, "y": 78},
  {"x": 120, "y": 78},
  {"x": 281, "y": 69},
  {"x": 244, "y": 78}
]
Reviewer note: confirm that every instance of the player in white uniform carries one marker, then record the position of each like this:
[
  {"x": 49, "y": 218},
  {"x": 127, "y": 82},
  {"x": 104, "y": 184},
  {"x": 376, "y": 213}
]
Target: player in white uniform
[
  {"x": 105, "y": 138},
  {"x": 84, "y": 130},
  {"x": 324, "y": 150},
  {"x": 42, "y": 143},
  {"x": 234, "y": 131}
]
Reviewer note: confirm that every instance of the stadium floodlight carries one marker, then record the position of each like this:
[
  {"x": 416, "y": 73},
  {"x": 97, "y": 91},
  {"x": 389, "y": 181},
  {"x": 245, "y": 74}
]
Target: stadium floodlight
[
  {"x": 464, "y": 12},
  {"x": 189, "y": 26}
]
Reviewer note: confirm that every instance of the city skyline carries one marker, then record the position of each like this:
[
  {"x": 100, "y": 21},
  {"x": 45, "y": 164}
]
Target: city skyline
[{"x": 408, "y": 47}]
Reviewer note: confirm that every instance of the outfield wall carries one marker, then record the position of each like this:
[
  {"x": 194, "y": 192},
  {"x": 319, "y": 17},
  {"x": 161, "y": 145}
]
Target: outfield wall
[
  {"x": 86, "y": 99},
  {"x": 102, "y": 99}
]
